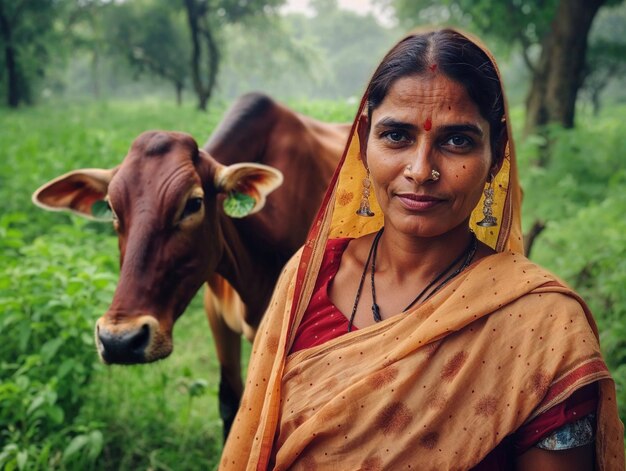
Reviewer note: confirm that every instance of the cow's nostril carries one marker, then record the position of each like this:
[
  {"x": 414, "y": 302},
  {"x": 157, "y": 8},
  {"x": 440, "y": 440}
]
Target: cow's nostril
[{"x": 139, "y": 341}]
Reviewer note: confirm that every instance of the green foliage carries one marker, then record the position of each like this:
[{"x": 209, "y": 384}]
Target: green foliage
[
  {"x": 33, "y": 33},
  {"x": 160, "y": 46},
  {"x": 584, "y": 164},
  {"x": 606, "y": 62},
  {"x": 348, "y": 44},
  {"x": 49, "y": 293},
  {"x": 581, "y": 195},
  {"x": 523, "y": 21}
]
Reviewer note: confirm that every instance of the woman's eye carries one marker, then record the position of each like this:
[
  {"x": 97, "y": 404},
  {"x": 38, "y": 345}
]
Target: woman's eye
[
  {"x": 395, "y": 137},
  {"x": 192, "y": 206},
  {"x": 458, "y": 142}
]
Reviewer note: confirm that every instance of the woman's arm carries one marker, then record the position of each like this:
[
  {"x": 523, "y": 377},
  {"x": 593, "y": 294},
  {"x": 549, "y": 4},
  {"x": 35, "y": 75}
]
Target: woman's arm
[{"x": 574, "y": 459}]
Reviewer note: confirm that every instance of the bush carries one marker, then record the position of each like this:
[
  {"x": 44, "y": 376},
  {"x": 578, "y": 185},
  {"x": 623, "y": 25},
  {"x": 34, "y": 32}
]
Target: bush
[
  {"x": 581, "y": 196},
  {"x": 50, "y": 295}
]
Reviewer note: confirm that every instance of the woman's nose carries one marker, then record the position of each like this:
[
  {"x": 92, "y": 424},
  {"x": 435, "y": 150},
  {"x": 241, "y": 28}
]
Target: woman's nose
[{"x": 420, "y": 167}]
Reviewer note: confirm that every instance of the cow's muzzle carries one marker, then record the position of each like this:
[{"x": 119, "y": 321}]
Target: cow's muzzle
[{"x": 136, "y": 341}]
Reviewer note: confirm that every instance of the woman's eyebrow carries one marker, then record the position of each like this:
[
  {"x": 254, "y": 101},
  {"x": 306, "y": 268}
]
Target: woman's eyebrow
[
  {"x": 471, "y": 128},
  {"x": 388, "y": 122},
  {"x": 392, "y": 123}
]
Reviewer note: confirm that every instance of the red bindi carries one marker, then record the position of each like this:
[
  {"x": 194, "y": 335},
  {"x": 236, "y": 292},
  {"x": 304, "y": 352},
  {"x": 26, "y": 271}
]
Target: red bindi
[
  {"x": 433, "y": 68},
  {"x": 428, "y": 124}
]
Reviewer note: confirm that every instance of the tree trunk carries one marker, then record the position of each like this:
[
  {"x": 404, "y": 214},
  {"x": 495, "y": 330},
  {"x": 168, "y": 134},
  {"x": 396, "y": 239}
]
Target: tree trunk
[
  {"x": 13, "y": 89},
  {"x": 192, "y": 19},
  {"x": 559, "y": 73},
  {"x": 95, "y": 74},
  {"x": 213, "y": 59},
  {"x": 10, "y": 62},
  {"x": 199, "y": 32},
  {"x": 179, "y": 93}
]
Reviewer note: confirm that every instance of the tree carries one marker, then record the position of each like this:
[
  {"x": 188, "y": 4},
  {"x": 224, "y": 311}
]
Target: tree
[
  {"x": 558, "y": 74},
  {"x": 152, "y": 37},
  {"x": 351, "y": 43},
  {"x": 327, "y": 53},
  {"x": 269, "y": 54},
  {"x": 606, "y": 55},
  {"x": 26, "y": 30},
  {"x": 558, "y": 28},
  {"x": 206, "y": 19}
]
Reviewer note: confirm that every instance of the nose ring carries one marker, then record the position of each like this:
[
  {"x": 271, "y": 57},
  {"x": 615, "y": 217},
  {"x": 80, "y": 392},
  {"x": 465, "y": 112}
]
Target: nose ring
[{"x": 435, "y": 175}]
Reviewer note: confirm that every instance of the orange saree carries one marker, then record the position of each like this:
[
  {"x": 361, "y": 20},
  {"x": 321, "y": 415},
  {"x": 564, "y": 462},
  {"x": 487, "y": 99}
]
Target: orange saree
[{"x": 437, "y": 387}]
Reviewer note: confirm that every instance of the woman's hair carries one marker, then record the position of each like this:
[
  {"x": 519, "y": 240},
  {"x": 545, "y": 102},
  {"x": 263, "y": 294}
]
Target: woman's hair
[{"x": 455, "y": 56}]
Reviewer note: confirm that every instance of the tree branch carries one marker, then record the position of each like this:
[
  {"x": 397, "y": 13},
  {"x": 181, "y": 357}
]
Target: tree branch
[
  {"x": 530, "y": 237},
  {"x": 525, "y": 47}
]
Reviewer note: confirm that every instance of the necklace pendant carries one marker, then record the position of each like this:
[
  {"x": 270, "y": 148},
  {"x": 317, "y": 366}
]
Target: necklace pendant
[{"x": 376, "y": 312}]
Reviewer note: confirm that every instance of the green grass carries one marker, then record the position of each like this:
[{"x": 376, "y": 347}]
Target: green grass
[{"x": 59, "y": 407}]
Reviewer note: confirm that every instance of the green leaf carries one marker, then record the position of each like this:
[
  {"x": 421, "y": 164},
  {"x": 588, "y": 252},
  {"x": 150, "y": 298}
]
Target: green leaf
[
  {"x": 75, "y": 446},
  {"x": 56, "y": 414},
  {"x": 50, "y": 348},
  {"x": 22, "y": 457},
  {"x": 101, "y": 210},
  {"x": 36, "y": 404},
  {"x": 96, "y": 444},
  {"x": 238, "y": 205},
  {"x": 198, "y": 387}
]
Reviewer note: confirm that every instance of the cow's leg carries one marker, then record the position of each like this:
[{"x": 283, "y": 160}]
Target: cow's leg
[{"x": 228, "y": 347}]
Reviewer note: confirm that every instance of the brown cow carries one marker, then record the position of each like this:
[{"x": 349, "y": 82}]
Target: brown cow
[{"x": 166, "y": 199}]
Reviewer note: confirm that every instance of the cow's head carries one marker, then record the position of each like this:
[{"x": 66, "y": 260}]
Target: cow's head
[{"x": 165, "y": 204}]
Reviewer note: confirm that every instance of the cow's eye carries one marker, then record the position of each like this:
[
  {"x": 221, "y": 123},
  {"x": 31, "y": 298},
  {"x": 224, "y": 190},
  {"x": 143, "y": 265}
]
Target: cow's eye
[{"x": 192, "y": 206}]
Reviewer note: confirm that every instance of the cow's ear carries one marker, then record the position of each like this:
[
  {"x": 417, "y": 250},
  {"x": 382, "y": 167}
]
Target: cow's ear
[
  {"x": 82, "y": 192},
  {"x": 246, "y": 186}
]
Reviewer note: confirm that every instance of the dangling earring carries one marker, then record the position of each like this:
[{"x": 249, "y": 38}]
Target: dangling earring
[
  {"x": 489, "y": 220},
  {"x": 364, "y": 208}
]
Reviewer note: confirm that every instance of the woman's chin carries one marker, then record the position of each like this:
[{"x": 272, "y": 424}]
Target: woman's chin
[{"x": 424, "y": 225}]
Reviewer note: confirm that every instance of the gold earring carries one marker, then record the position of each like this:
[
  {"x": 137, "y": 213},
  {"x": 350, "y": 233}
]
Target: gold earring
[
  {"x": 489, "y": 220},
  {"x": 364, "y": 208}
]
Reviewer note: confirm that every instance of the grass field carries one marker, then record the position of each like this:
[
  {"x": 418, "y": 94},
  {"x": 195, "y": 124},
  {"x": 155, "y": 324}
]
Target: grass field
[{"x": 61, "y": 409}]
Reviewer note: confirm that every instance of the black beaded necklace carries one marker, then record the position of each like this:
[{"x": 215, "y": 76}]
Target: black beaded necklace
[{"x": 468, "y": 254}]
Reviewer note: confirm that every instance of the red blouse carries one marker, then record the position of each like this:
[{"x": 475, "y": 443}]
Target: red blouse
[{"x": 322, "y": 322}]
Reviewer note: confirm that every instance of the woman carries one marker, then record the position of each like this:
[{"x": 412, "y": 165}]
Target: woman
[{"x": 414, "y": 334}]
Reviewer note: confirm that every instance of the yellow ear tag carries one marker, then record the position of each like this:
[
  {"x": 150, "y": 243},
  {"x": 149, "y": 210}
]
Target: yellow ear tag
[{"x": 238, "y": 205}]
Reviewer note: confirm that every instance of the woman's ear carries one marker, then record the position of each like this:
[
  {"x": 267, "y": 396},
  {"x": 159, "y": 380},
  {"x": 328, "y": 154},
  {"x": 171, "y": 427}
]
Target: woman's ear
[
  {"x": 363, "y": 129},
  {"x": 499, "y": 152}
]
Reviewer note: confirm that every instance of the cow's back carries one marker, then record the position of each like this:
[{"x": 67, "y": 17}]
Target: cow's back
[{"x": 305, "y": 150}]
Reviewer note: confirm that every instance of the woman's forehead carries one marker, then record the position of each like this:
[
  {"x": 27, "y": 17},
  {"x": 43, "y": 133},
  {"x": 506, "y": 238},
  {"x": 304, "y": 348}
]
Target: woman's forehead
[
  {"x": 436, "y": 90},
  {"x": 429, "y": 94}
]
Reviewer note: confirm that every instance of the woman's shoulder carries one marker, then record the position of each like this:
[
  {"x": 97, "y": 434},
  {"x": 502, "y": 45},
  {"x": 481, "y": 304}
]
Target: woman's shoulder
[
  {"x": 518, "y": 267},
  {"x": 525, "y": 281}
]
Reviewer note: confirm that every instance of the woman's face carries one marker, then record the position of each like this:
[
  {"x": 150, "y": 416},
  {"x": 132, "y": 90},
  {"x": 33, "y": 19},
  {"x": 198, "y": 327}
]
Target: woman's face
[{"x": 428, "y": 122}]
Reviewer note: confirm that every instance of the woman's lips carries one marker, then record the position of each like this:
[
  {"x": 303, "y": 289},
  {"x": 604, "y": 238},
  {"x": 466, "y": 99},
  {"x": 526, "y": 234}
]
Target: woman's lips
[{"x": 414, "y": 202}]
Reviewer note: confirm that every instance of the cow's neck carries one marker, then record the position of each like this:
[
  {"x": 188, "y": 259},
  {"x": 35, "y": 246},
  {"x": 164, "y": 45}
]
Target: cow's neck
[{"x": 251, "y": 273}]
